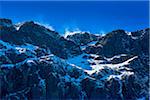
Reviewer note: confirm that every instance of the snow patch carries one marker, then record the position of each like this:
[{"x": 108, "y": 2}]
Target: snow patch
[
  {"x": 18, "y": 25},
  {"x": 29, "y": 47},
  {"x": 117, "y": 56},
  {"x": 67, "y": 33},
  {"x": 21, "y": 50},
  {"x": 75, "y": 31},
  {"x": 80, "y": 61},
  {"x": 130, "y": 34},
  {"x": 97, "y": 67},
  {"x": 7, "y": 66}
]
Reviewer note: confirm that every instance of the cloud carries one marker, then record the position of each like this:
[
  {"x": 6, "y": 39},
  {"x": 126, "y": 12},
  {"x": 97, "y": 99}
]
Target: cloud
[
  {"x": 102, "y": 33},
  {"x": 73, "y": 31},
  {"x": 49, "y": 27},
  {"x": 46, "y": 25}
]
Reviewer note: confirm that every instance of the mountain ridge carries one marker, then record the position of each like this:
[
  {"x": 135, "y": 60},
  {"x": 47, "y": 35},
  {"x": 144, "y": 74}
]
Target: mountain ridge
[{"x": 38, "y": 63}]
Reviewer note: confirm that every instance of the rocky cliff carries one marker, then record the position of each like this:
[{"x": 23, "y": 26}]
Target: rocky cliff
[{"x": 37, "y": 63}]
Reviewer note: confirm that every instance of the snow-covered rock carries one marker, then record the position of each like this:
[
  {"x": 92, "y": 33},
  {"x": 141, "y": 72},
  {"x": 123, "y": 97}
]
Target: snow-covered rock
[{"x": 38, "y": 63}]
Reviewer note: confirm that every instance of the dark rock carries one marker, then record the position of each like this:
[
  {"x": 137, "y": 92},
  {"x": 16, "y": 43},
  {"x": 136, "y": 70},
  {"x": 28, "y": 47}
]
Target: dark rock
[
  {"x": 99, "y": 58},
  {"x": 38, "y": 35},
  {"x": 99, "y": 93},
  {"x": 4, "y": 60},
  {"x": 75, "y": 73},
  {"x": 130, "y": 88},
  {"x": 93, "y": 49},
  {"x": 88, "y": 85},
  {"x": 32, "y": 80},
  {"x": 5, "y": 22},
  {"x": 121, "y": 59},
  {"x": 42, "y": 74},
  {"x": 82, "y": 38},
  {"x": 15, "y": 80},
  {"x": 51, "y": 86},
  {"x": 12, "y": 53},
  {"x": 114, "y": 87}
]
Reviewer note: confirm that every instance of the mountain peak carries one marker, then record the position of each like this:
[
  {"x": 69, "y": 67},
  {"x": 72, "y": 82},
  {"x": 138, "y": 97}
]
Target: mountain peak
[
  {"x": 82, "y": 38},
  {"x": 82, "y": 65},
  {"x": 5, "y": 22}
]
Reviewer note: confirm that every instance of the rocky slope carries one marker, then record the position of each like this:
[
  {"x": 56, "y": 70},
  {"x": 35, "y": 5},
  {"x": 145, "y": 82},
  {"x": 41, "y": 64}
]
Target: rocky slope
[{"x": 37, "y": 63}]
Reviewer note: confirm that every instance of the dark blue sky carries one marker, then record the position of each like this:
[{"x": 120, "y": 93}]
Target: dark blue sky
[{"x": 97, "y": 16}]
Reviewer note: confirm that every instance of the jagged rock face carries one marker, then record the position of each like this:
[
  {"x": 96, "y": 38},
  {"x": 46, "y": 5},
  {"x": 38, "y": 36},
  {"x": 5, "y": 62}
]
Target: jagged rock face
[
  {"x": 112, "y": 67},
  {"x": 38, "y": 35},
  {"x": 119, "y": 42},
  {"x": 5, "y": 22},
  {"x": 82, "y": 38},
  {"x": 114, "y": 43},
  {"x": 144, "y": 41},
  {"x": 39, "y": 78}
]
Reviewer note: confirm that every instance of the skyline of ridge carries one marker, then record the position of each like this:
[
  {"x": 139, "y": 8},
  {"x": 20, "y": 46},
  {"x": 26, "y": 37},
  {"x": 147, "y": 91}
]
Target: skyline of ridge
[{"x": 95, "y": 17}]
